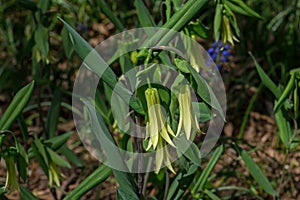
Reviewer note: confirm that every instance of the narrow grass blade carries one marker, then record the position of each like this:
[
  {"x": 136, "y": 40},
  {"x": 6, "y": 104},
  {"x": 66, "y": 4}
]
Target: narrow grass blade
[
  {"x": 144, "y": 16},
  {"x": 199, "y": 186},
  {"x": 16, "y": 106},
  {"x": 266, "y": 79},
  {"x": 97, "y": 177}
]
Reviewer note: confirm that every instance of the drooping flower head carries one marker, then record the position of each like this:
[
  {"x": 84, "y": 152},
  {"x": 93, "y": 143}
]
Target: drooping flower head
[
  {"x": 158, "y": 130},
  {"x": 187, "y": 118}
]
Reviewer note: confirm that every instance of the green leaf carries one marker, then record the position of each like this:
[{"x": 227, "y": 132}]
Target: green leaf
[
  {"x": 217, "y": 21},
  {"x": 67, "y": 44},
  {"x": 246, "y": 8},
  {"x": 181, "y": 182},
  {"x": 265, "y": 79},
  {"x": 22, "y": 162},
  {"x": 41, "y": 39},
  {"x": 98, "y": 176},
  {"x": 198, "y": 29},
  {"x": 124, "y": 195},
  {"x": 53, "y": 114},
  {"x": 113, "y": 156},
  {"x": 3, "y": 190},
  {"x": 236, "y": 8},
  {"x": 188, "y": 149},
  {"x": 199, "y": 186},
  {"x": 256, "y": 173},
  {"x": 96, "y": 64},
  {"x": 16, "y": 106},
  {"x": 44, "y": 5},
  {"x": 57, "y": 159},
  {"x": 287, "y": 91},
  {"x": 181, "y": 65},
  {"x": 26, "y": 194},
  {"x": 58, "y": 141},
  {"x": 211, "y": 195},
  {"x": 284, "y": 128},
  {"x": 202, "y": 111},
  {"x": 144, "y": 16},
  {"x": 108, "y": 12},
  {"x": 71, "y": 156},
  {"x": 205, "y": 92},
  {"x": 40, "y": 155}
]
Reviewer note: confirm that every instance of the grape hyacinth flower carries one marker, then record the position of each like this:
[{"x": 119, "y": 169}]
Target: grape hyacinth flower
[{"x": 219, "y": 53}]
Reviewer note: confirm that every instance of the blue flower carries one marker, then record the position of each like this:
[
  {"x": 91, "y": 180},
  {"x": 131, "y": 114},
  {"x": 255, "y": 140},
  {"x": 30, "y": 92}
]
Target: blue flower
[{"x": 219, "y": 53}]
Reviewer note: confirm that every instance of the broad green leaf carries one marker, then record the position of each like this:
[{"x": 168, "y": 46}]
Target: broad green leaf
[
  {"x": 144, "y": 16},
  {"x": 26, "y": 194},
  {"x": 95, "y": 62},
  {"x": 180, "y": 19},
  {"x": 53, "y": 114},
  {"x": 181, "y": 182},
  {"x": 108, "y": 12},
  {"x": 188, "y": 149},
  {"x": 202, "y": 111},
  {"x": 199, "y": 186},
  {"x": 265, "y": 79},
  {"x": 57, "y": 141},
  {"x": 57, "y": 159},
  {"x": 257, "y": 174},
  {"x": 101, "y": 132},
  {"x": 181, "y": 65},
  {"x": 16, "y": 106},
  {"x": 97, "y": 177},
  {"x": 205, "y": 92}
]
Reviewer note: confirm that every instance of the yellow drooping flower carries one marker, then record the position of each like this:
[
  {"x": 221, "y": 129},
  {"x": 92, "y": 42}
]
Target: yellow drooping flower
[
  {"x": 157, "y": 125},
  {"x": 158, "y": 131},
  {"x": 187, "y": 118}
]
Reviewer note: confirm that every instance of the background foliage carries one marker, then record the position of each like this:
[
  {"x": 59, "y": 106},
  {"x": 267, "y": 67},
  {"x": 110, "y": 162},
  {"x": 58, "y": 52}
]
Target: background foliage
[{"x": 257, "y": 156}]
